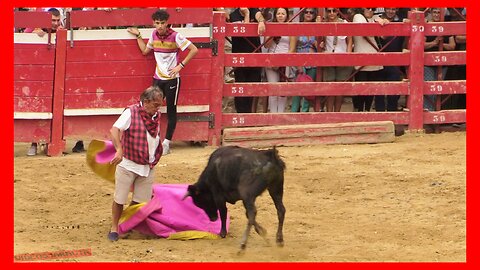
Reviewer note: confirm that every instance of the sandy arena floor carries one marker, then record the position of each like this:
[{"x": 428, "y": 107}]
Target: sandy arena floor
[{"x": 401, "y": 201}]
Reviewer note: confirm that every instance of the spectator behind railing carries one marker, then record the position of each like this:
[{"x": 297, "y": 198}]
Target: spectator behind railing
[
  {"x": 305, "y": 44},
  {"x": 56, "y": 24},
  {"x": 436, "y": 43},
  {"x": 457, "y": 72},
  {"x": 335, "y": 44},
  {"x": 280, "y": 44},
  {"x": 364, "y": 44},
  {"x": 247, "y": 45},
  {"x": 390, "y": 73}
]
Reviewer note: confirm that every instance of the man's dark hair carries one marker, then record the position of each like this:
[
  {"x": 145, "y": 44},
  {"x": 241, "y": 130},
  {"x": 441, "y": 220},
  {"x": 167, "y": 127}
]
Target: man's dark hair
[
  {"x": 54, "y": 11},
  {"x": 160, "y": 15}
]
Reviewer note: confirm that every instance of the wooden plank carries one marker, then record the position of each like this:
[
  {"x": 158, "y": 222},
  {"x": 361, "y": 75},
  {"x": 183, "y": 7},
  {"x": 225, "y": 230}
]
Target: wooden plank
[
  {"x": 199, "y": 97},
  {"x": 32, "y": 104},
  {"x": 445, "y": 117},
  {"x": 107, "y": 52},
  {"x": 38, "y": 55},
  {"x": 189, "y": 82},
  {"x": 33, "y": 88},
  {"x": 33, "y": 46},
  {"x": 33, "y": 72},
  {"x": 217, "y": 81},
  {"x": 115, "y": 36},
  {"x": 445, "y": 87},
  {"x": 98, "y": 127},
  {"x": 343, "y": 133},
  {"x": 32, "y": 115},
  {"x": 445, "y": 28},
  {"x": 23, "y": 19},
  {"x": 272, "y": 119},
  {"x": 124, "y": 99},
  {"x": 128, "y": 68},
  {"x": 88, "y": 127},
  {"x": 29, "y": 130},
  {"x": 34, "y": 39},
  {"x": 315, "y": 89},
  {"x": 416, "y": 46},
  {"x": 89, "y": 85},
  {"x": 297, "y": 131},
  {"x": 118, "y": 111},
  {"x": 57, "y": 143},
  {"x": 341, "y": 139},
  {"x": 445, "y": 58},
  {"x": 106, "y": 69},
  {"x": 319, "y": 29},
  {"x": 316, "y": 59},
  {"x": 137, "y": 16}
]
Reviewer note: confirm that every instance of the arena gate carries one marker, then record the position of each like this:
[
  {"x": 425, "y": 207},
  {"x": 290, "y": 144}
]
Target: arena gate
[{"x": 76, "y": 86}]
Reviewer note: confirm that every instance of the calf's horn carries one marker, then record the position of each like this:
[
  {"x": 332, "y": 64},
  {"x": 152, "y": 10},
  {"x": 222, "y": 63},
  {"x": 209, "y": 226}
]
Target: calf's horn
[{"x": 186, "y": 195}]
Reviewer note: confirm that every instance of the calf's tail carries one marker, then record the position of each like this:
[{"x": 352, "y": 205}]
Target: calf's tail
[{"x": 273, "y": 155}]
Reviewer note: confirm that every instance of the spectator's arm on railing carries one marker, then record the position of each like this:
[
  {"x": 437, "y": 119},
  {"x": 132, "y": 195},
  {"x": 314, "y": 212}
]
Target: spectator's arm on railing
[
  {"x": 261, "y": 22},
  {"x": 450, "y": 46},
  {"x": 431, "y": 44},
  {"x": 462, "y": 39},
  {"x": 349, "y": 44},
  {"x": 141, "y": 44}
]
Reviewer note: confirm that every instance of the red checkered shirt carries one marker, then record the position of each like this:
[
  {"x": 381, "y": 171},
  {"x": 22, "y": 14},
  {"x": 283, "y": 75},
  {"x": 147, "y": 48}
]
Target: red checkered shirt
[{"x": 134, "y": 140}]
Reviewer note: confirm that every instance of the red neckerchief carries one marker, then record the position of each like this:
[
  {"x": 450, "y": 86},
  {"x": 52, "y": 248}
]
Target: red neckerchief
[
  {"x": 163, "y": 37},
  {"x": 151, "y": 123}
]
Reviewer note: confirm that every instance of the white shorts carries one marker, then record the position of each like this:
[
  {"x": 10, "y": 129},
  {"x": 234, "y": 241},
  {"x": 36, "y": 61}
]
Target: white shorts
[{"x": 142, "y": 186}]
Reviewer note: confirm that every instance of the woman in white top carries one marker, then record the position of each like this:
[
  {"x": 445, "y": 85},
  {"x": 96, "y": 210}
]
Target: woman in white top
[
  {"x": 335, "y": 44},
  {"x": 364, "y": 44},
  {"x": 277, "y": 74}
]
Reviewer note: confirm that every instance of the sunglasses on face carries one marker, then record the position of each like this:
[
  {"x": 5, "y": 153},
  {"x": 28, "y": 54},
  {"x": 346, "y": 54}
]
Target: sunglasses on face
[
  {"x": 331, "y": 11},
  {"x": 309, "y": 12}
]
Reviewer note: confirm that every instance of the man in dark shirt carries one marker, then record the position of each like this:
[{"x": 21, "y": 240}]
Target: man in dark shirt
[
  {"x": 390, "y": 73},
  {"x": 247, "y": 45}
]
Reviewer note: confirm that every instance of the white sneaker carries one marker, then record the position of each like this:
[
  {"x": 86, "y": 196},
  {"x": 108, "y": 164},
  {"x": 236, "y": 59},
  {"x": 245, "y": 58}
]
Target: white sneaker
[
  {"x": 166, "y": 149},
  {"x": 32, "y": 151}
]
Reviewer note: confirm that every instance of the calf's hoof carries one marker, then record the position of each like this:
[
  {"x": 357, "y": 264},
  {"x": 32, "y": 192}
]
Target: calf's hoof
[
  {"x": 280, "y": 243},
  {"x": 223, "y": 234},
  {"x": 261, "y": 231},
  {"x": 241, "y": 252}
]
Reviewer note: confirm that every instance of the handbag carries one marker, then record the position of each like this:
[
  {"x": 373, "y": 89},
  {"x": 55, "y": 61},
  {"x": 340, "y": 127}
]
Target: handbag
[{"x": 305, "y": 78}]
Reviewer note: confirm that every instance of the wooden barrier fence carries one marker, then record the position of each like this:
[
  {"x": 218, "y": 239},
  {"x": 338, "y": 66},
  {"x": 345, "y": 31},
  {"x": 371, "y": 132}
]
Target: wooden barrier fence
[{"x": 76, "y": 87}]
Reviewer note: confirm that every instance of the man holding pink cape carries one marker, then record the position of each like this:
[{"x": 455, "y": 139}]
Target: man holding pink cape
[{"x": 136, "y": 137}]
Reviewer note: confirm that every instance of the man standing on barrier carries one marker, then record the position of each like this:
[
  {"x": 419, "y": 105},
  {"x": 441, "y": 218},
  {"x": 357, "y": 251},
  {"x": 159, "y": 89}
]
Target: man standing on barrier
[{"x": 165, "y": 44}]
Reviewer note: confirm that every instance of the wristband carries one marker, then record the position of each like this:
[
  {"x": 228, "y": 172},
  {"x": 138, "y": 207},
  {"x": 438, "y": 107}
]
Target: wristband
[
  {"x": 181, "y": 64},
  {"x": 139, "y": 35}
]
